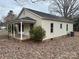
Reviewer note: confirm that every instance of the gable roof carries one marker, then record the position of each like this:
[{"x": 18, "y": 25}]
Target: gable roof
[
  {"x": 42, "y": 14},
  {"x": 25, "y": 20},
  {"x": 28, "y": 18},
  {"x": 47, "y": 16}
]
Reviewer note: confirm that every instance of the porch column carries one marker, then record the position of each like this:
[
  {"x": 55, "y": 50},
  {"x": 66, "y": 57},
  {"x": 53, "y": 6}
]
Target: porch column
[
  {"x": 11, "y": 29},
  {"x": 21, "y": 30},
  {"x": 14, "y": 30}
]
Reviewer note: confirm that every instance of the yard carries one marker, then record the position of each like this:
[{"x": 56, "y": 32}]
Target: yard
[{"x": 65, "y": 48}]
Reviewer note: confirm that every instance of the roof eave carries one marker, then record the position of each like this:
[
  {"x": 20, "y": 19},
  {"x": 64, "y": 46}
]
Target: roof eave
[{"x": 58, "y": 20}]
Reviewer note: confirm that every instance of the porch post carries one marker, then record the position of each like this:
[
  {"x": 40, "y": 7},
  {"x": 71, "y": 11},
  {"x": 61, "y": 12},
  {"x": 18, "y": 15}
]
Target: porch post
[
  {"x": 8, "y": 30},
  {"x": 21, "y": 30},
  {"x": 13, "y": 30}
]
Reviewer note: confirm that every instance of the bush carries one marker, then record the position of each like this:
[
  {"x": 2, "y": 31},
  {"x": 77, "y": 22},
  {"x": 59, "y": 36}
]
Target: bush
[{"x": 37, "y": 33}]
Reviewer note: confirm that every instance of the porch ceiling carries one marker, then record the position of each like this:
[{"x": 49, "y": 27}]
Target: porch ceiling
[{"x": 23, "y": 20}]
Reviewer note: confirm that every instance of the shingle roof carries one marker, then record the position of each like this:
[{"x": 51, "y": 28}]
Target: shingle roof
[
  {"x": 42, "y": 14},
  {"x": 47, "y": 16}
]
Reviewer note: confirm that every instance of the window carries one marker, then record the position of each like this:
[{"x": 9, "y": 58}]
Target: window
[
  {"x": 67, "y": 27},
  {"x": 51, "y": 28},
  {"x": 61, "y": 26}
]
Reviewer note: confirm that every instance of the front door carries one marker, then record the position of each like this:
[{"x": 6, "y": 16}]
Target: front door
[{"x": 19, "y": 27}]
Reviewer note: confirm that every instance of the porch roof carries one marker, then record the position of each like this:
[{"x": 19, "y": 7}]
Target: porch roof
[{"x": 24, "y": 20}]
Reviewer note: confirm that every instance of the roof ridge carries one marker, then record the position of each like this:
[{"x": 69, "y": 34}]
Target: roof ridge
[
  {"x": 46, "y": 16},
  {"x": 40, "y": 12}
]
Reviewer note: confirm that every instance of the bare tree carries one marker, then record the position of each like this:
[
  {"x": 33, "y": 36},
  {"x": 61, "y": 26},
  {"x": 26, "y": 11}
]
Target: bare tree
[
  {"x": 22, "y": 2},
  {"x": 66, "y": 8},
  {"x": 10, "y": 16}
]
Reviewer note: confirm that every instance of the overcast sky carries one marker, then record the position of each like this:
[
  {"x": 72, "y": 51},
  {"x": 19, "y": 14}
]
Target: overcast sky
[{"x": 6, "y": 5}]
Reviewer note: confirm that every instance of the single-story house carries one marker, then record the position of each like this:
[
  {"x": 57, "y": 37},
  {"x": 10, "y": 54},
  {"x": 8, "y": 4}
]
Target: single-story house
[{"x": 53, "y": 25}]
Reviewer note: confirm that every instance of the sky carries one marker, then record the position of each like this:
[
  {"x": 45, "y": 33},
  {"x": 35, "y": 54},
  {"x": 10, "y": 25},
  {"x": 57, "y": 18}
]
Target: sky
[{"x": 6, "y": 5}]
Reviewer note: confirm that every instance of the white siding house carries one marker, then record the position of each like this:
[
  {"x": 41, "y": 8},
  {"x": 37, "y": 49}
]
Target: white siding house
[
  {"x": 53, "y": 25},
  {"x": 57, "y": 31}
]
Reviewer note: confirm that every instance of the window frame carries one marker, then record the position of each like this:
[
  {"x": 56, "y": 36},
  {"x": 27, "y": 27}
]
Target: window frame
[
  {"x": 51, "y": 27},
  {"x": 66, "y": 27},
  {"x": 60, "y": 26}
]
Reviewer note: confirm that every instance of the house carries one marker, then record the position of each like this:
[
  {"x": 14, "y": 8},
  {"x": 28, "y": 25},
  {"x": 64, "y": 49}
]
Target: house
[{"x": 53, "y": 25}]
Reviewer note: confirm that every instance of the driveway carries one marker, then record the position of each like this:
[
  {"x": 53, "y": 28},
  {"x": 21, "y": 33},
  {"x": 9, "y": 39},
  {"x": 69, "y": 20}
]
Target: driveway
[{"x": 65, "y": 48}]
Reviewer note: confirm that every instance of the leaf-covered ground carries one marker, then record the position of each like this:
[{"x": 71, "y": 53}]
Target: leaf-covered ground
[{"x": 62, "y": 48}]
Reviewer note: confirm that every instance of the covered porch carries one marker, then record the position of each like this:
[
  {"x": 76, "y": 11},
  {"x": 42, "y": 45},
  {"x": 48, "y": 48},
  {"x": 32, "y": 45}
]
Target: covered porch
[{"x": 20, "y": 29}]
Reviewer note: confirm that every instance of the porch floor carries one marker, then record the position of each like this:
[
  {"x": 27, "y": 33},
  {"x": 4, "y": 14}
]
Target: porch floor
[{"x": 18, "y": 36}]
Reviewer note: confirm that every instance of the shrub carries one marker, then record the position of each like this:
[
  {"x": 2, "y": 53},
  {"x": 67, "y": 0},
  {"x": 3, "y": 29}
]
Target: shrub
[{"x": 37, "y": 33}]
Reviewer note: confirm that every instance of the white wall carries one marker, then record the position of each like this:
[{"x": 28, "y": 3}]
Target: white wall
[
  {"x": 27, "y": 13},
  {"x": 46, "y": 25},
  {"x": 57, "y": 31},
  {"x": 26, "y": 29}
]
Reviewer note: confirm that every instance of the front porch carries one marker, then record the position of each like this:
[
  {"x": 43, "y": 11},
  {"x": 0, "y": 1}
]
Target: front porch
[{"x": 20, "y": 29}]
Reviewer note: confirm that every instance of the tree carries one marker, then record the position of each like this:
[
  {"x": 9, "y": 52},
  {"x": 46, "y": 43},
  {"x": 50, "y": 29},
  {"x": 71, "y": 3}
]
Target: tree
[
  {"x": 37, "y": 33},
  {"x": 66, "y": 8},
  {"x": 10, "y": 16}
]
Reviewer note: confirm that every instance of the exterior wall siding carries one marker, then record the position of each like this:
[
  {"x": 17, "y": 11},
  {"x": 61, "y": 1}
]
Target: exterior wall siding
[
  {"x": 27, "y": 13},
  {"x": 33, "y": 16},
  {"x": 57, "y": 31},
  {"x": 26, "y": 29}
]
